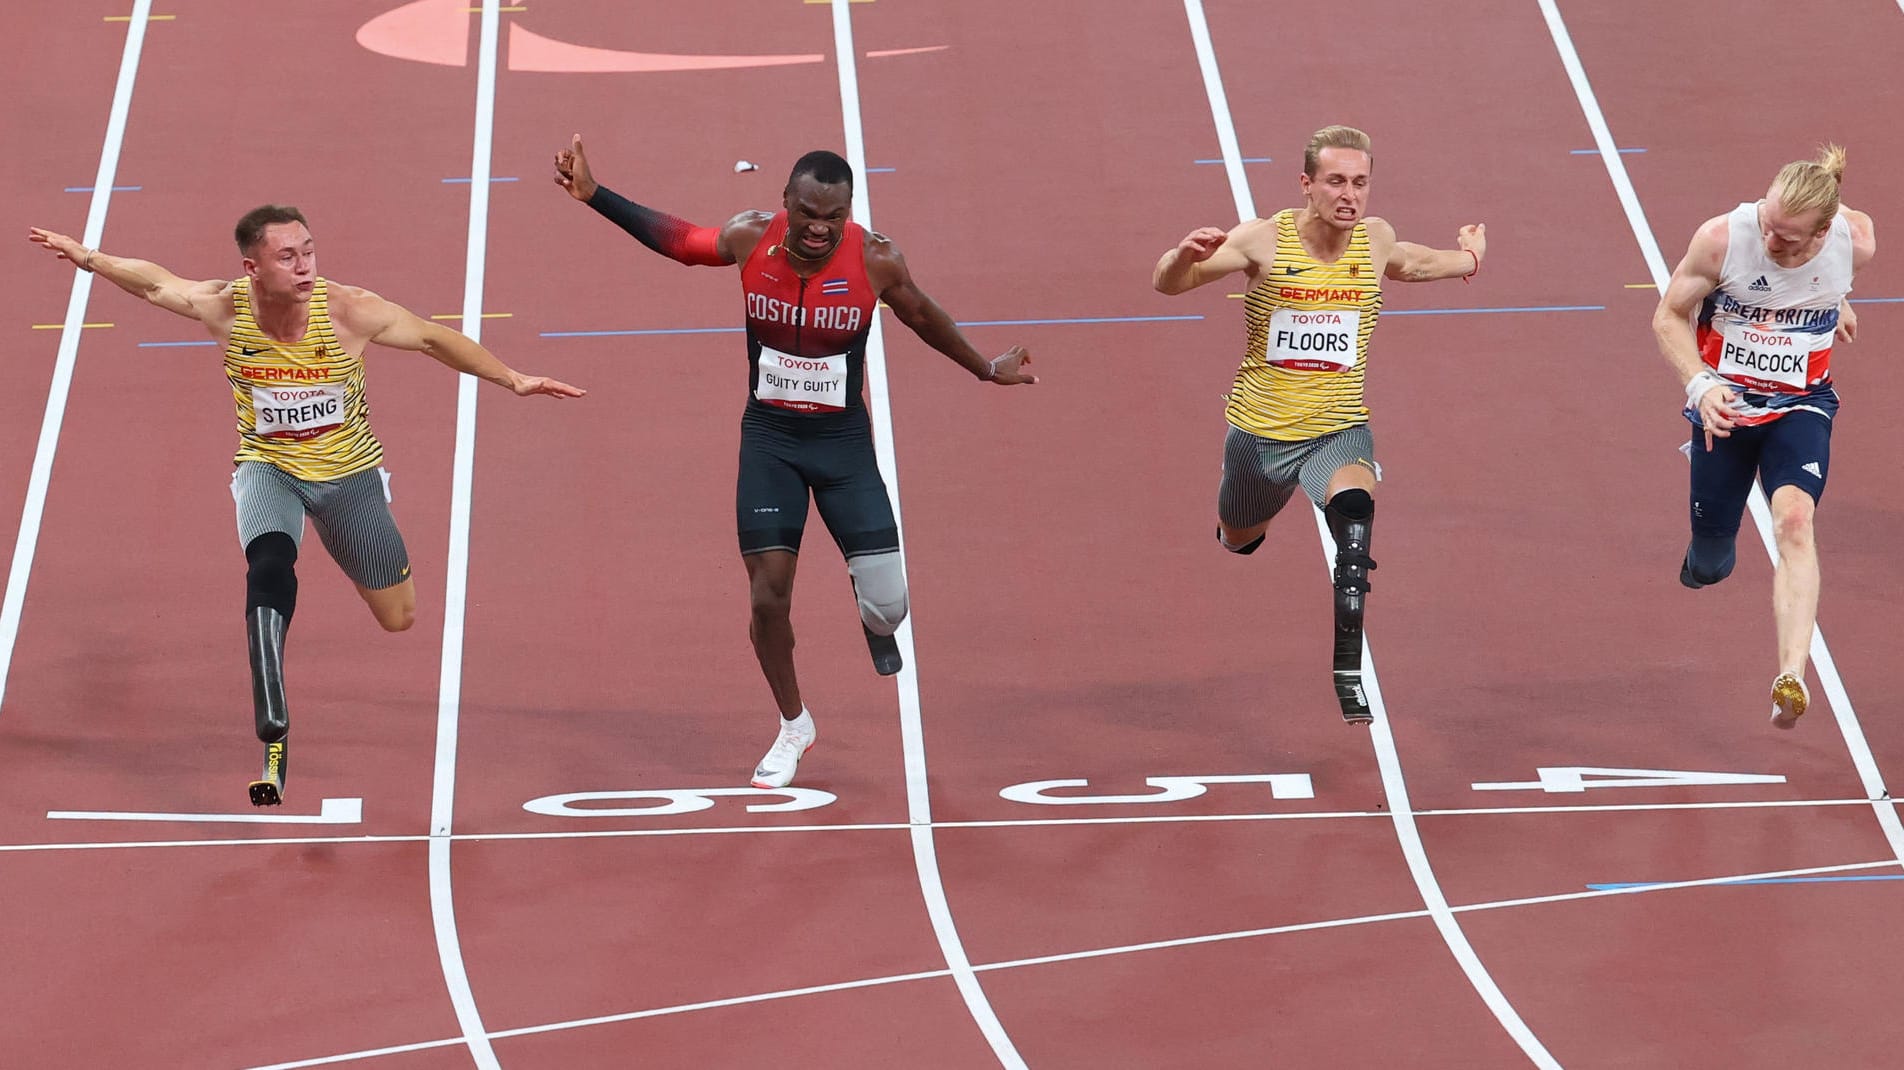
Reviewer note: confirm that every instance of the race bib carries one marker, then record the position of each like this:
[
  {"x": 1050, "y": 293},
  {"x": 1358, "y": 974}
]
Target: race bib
[
  {"x": 1765, "y": 355},
  {"x": 810, "y": 384},
  {"x": 1314, "y": 339},
  {"x": 297, "y": 412}
]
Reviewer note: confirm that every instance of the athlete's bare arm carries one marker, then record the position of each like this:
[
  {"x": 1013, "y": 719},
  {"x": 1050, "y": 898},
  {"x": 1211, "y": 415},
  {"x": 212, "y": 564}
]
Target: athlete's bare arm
[
  {"x": 362, "y": 316},
  {"x": 1864, "y": 246},
  {"x": 208, "y": 302},
  {"x": 1208, "y": 254},
  {"x": 892, "y": 280},
  {"x": 1696, "y": 276},
  {"x": 1864, "y": 237},
  {"x": 1407, "y": 262}
]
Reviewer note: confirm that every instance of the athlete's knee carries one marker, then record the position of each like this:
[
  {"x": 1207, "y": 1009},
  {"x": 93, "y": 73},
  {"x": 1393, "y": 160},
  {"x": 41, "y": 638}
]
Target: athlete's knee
[
  {"x": 1709, "y": 559},
  {"x": 1246, "y": 546},
  {"x": 271, "y": 579},
  {"x": 770, "y": 596},
  {"x": 1792, "y": 521},
  {"x": 396, "y": 618},
  {"x": 879, "y": 584}
]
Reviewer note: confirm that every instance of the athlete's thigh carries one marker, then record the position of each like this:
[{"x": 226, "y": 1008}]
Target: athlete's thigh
[
  {"x": 1254, "y": 489},
  {"x": 850, "y": 493},
  {"x": 1796, "y": 453},
  {"x": 770, "y": 494},
  {"x": 352, "y": 516},
  {"x": 267, "y": 499},
  {"x": 1351, "y": 447},
  {"x": 1722, "y": 479}
]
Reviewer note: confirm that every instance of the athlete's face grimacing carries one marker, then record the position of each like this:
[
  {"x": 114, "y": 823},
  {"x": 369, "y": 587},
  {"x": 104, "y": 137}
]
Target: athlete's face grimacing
[
  {"x": 1790, "y": 240},
  {"x": 816, "y": 216},
  {"x": 1338, "y": 192},
  {"x": 283, "y": 265}
]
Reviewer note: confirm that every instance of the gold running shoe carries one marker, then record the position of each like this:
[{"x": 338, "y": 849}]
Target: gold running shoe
[{"x": 1789, "y": 699}]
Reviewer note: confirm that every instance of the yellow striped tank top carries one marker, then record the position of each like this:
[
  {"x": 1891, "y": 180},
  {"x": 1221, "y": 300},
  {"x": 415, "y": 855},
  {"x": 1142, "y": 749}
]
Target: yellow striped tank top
[
  {"x": 1309, "y": 326},
  {"x": 301, "y": 404}
]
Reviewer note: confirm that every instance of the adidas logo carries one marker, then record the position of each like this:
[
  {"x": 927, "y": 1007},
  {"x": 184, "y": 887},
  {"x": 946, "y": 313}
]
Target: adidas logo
[
  {"x": 1812, "y": 467},
  {"x": 1759, "y": 285}
]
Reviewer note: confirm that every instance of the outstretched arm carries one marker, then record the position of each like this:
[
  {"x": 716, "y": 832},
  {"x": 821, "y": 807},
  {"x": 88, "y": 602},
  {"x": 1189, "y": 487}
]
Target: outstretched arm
[
  {"x": 140, "y": 278},
  {"x": 387, "y": 323},
  {"x": 887, "y": 271},
  {"x": 674, "y": 238},
  {"x": 1408, "y": 262},
  {"x": 1205, "y": 255}
]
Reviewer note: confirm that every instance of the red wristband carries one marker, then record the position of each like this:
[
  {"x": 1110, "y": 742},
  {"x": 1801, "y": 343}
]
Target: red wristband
[{"x": 1477, "y": 265}]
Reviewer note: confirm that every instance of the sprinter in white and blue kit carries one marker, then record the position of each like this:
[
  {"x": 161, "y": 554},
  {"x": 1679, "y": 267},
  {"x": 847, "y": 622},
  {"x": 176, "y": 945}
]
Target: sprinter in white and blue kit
[{"x": 1769, "y": 284}]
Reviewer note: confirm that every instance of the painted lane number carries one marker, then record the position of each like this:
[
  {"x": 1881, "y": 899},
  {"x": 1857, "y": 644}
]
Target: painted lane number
[
  {"x": 1578, "y": 778},
  {"x": 663, "y": 802},
  {"x": 1171, "y": 789}
]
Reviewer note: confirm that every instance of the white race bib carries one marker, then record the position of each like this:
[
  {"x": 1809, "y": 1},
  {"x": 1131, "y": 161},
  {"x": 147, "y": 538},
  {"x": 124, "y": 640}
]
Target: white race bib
[
  {"x": 297, "y": 412},
  {"x": 806, "y": 383},
  {"x": 1314, "y": 339},
  {"x": 1767, "y": 355}
]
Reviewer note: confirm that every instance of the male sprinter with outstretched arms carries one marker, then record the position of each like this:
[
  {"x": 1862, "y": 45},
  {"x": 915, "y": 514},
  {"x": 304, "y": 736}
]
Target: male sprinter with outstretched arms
[
  {"x": 811, "y": 279},
  {"x": 1296, "y": 414},
  {"x": 1768, "y": 282},
  {"x": 294, "y": 353}
]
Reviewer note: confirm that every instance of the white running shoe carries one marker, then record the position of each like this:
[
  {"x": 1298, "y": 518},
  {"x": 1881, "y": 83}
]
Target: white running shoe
[{"x": 795, "y": 738}]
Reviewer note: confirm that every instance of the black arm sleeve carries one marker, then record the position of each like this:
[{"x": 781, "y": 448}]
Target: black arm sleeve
[{"x": 676, "y": 239}]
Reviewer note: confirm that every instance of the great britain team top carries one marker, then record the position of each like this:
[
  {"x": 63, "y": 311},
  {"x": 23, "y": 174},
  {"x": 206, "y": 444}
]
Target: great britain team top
[
  {"x": 1308, "y": 332},
  {"x": 1767, "y": 330},
  {"x": 806, "y": 337},
  {"x": 301, "y": 405}
]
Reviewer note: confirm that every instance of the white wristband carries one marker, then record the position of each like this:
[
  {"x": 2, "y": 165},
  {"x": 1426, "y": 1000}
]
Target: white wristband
[{"x": 1700, "y": 385}]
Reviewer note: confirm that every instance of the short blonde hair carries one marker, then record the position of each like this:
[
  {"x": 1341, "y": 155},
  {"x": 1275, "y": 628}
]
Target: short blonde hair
[
  {"x": 1808, "y": 185},
  {"x": 1334, "y": 137}
]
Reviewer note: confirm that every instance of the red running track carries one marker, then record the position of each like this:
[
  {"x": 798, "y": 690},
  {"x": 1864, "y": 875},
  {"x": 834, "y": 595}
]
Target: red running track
[{"x": 1072, "y": 619}]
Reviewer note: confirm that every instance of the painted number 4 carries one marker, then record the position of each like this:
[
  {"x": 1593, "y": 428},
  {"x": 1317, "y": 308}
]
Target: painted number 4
[
  {"x": 1171, "y": 789},
  {"x": 1578, "y": 778}
]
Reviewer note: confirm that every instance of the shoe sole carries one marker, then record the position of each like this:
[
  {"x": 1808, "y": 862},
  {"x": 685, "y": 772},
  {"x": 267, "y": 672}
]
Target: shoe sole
[
  {"x": 766, "y": 786},
  {"x": 1789, "y": 701}
]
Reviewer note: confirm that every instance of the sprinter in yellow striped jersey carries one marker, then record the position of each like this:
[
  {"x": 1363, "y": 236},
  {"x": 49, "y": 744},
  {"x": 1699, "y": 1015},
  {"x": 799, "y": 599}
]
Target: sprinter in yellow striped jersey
[
  {"x": 294, "y": 354},
  {"x": 1296, "y": 413}
]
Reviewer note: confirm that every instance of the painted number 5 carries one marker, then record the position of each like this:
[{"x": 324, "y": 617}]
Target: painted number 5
[{"x": 1172, "y": 789}]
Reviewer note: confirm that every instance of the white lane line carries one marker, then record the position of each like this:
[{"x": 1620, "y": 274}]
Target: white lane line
[
  {"x": 1853, "y": 732},
  {"x": 27, "y": 542},
  {"x": 449, "y": 946},
  {"x": 736, "y": 830},
  {"x": 1092, "y": 953},
  {"x": 329, "y": 812},
  {"x": 1392, "y": 783},
  {"x": 367, "y": 1053},
  {"x": 734, "y": 1001},
  {"x": 911, "y": 729}
]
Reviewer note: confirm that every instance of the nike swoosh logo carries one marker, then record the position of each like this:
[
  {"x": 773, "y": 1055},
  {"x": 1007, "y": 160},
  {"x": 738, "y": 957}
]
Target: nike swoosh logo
[
  {"x": 1294, "y": 270},
  {"x": 249, "y": 352}
]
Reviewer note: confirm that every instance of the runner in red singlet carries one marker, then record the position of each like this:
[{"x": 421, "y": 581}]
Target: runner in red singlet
[{"x": 812, "y": 281}]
